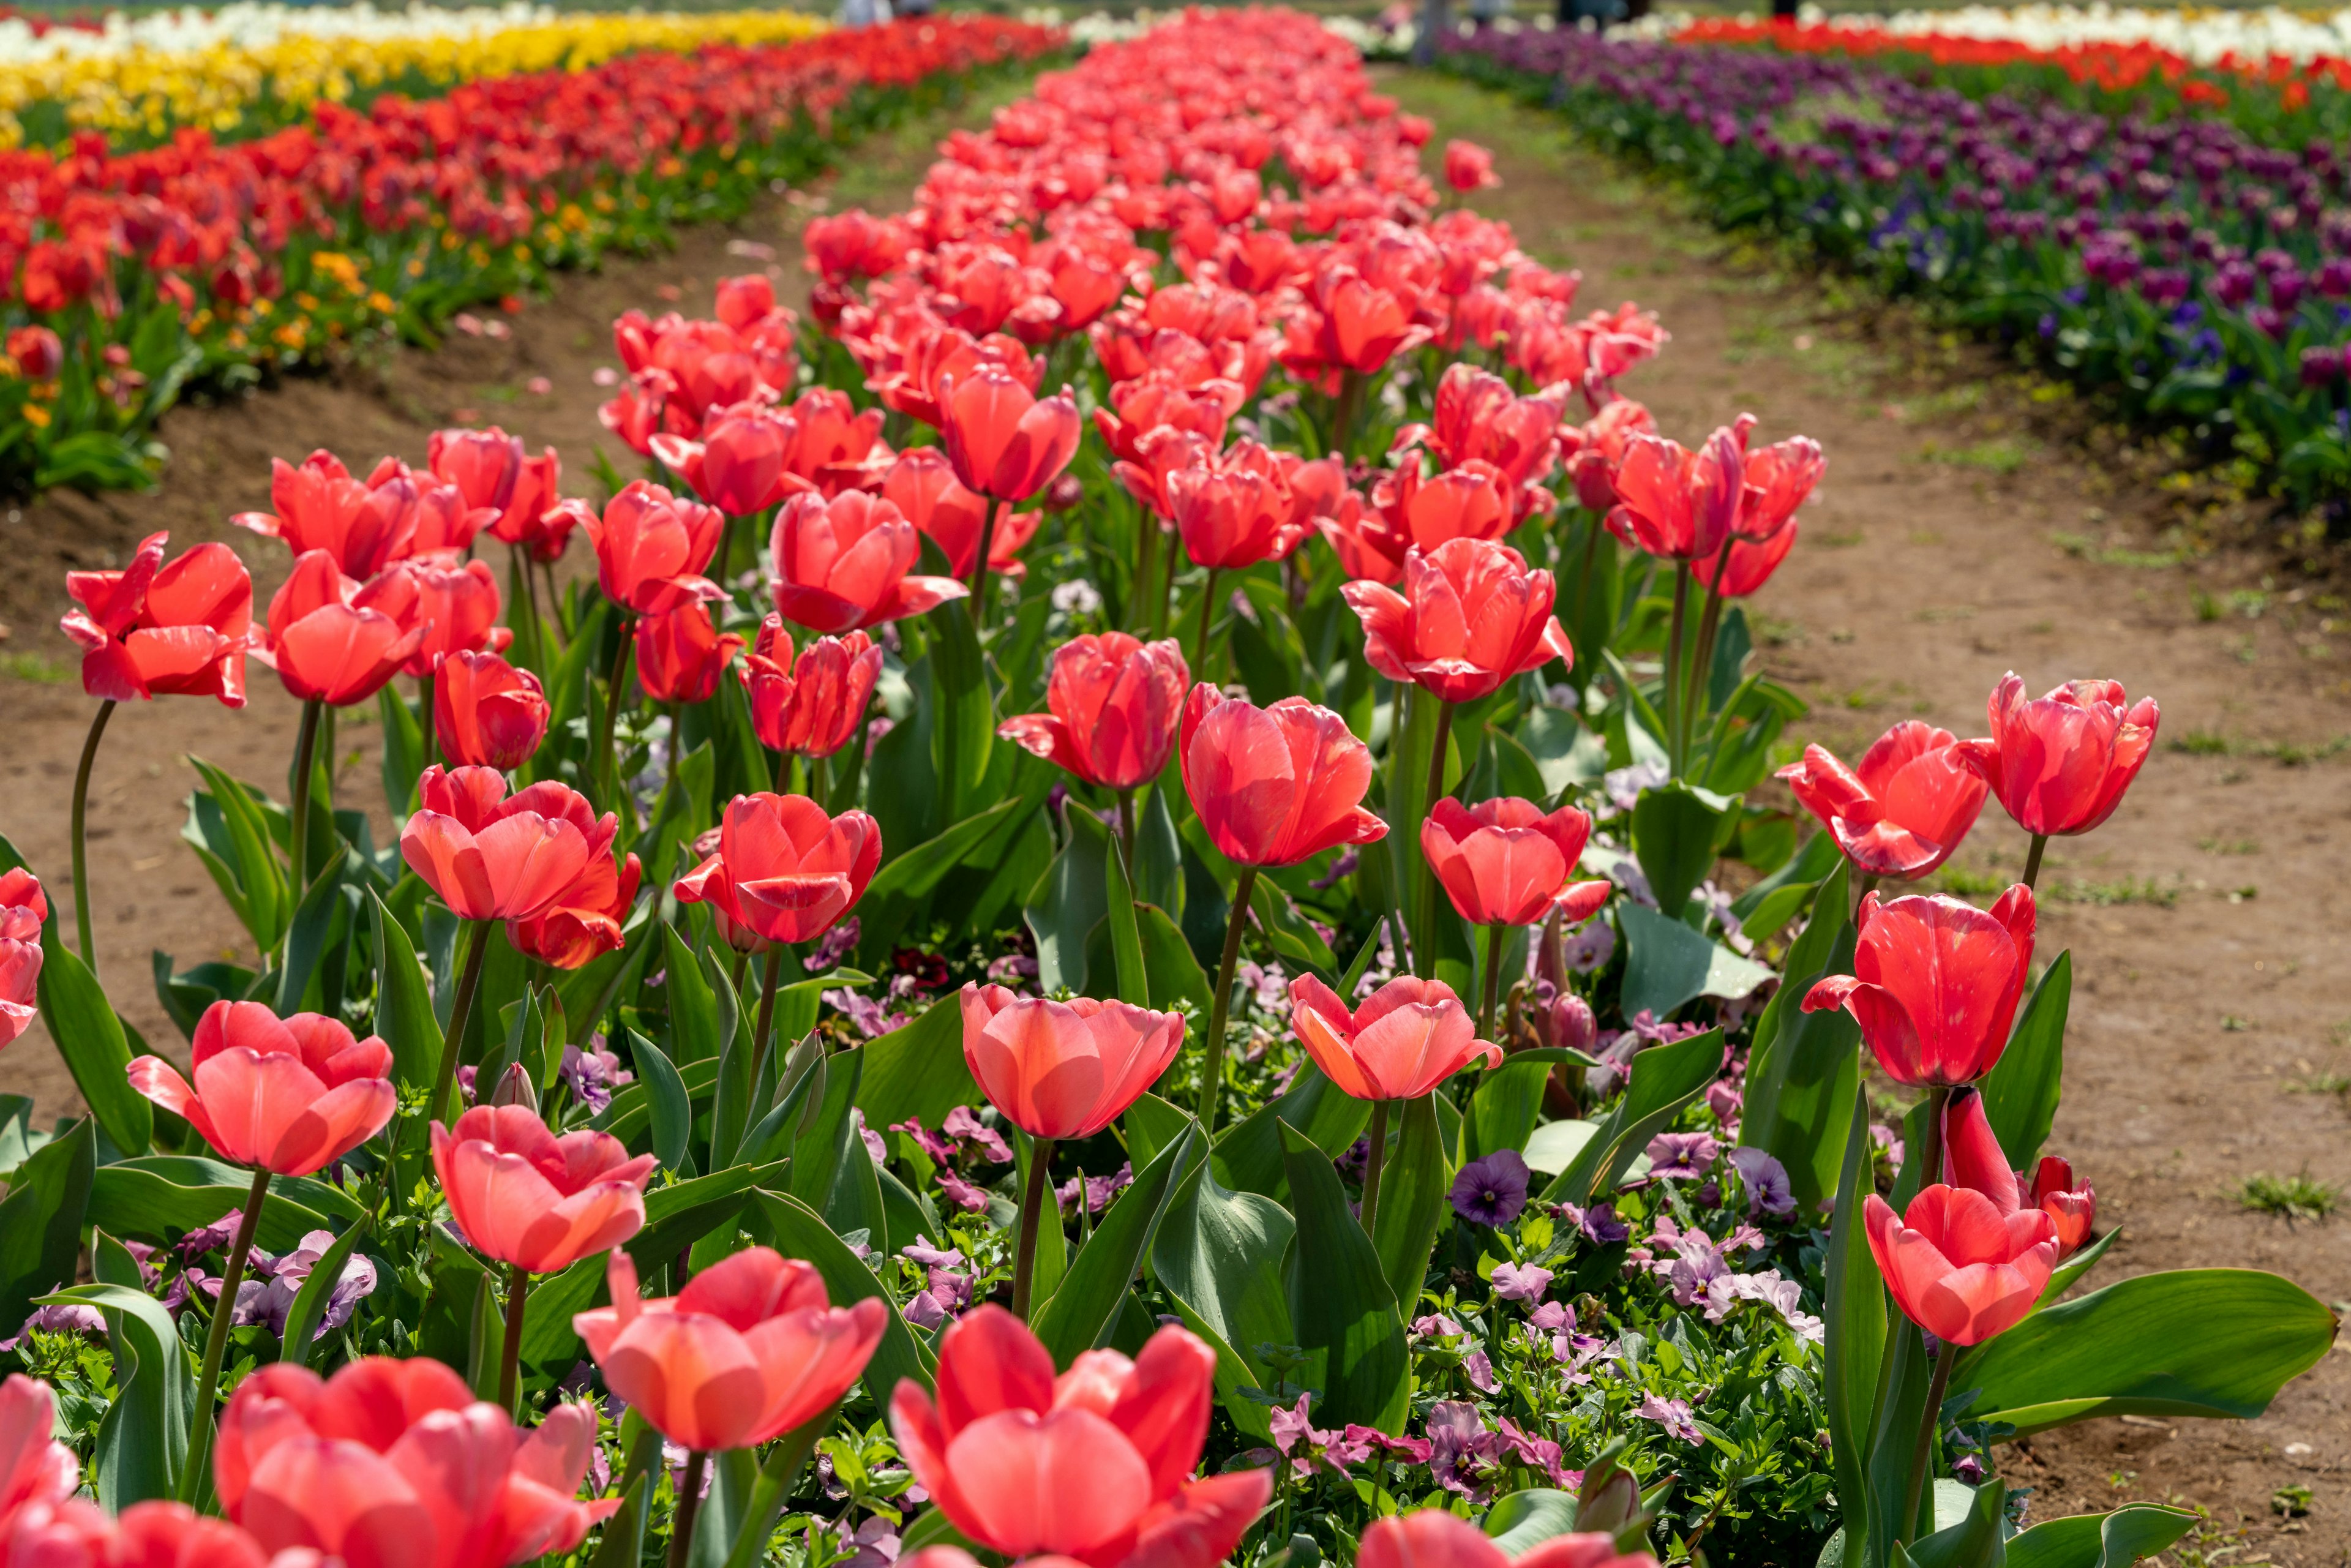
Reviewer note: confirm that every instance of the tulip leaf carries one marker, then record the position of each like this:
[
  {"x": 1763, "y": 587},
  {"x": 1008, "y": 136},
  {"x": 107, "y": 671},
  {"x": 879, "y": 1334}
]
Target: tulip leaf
[
  {"x": 1413, "y": 1187},
  {"x": 550, "y": 1345},
  {"x": 1552, "y": 1147},
  {"x": 1521, "y": 1520},
  {"x": 1675, "y": 832},
  {"x": 2131, "y": 1533},
  {"x": 1126, "y": 937},
  {"x": 2061, "y": 1278},
  {"x": 1070, "y": 901},
  {"x": 1218, "y": 1256},
  {"x": 694, "y": 1032},
  {"x": 824, "y": 1144},
  {"x": 797, "y": 1232},
  {"x": 404, "y": 735},
  {"x": 1248, "y": 1154},
  {"x": 902, "y": 785},
  {"x": 1341, "y": 1306},
  {"x": 41, "y": 1218},
  {"x": 917, "y": 1072},
  {"x": 1292, "y": 934},
  {"x": 310, "y": 1302},
  {"x": 1151, "y": 1125},
  {"x": 911, "y": 876},
  {"x": 230, "y": 832},
  {"x": 97, "y": 1052},
  {"x": 145, "y": 1196},
  {"x": 673, "y": 1113},
  {"x": 403, "y": 1001},
  {"x": 1174, "y": 973},
  {"x": 1854, "y": 1309},
  {"x": 1085, "y": 1306},
  {"x": 623, "y": 1543},
  {"x": 1975, "y": 1539},
  {"x": 683, "y": 1213},
  {"x": 1505, "y": 1104},
  {"x": 1667, "y": 964},
  {"x": 963, "y": 728},
  {"x": 1665, "y": 1080},
  {"x": 1801, "y": 1073},
  {"x": 1412, "y": 739},
  {"x": 2021, "y": 1092},
  {"x": 2194, "y": 1341},
  {"x": 187, "y": 994},
  {"x": 1158, "y": 853},
  {"x": 142, "y": 1442}
]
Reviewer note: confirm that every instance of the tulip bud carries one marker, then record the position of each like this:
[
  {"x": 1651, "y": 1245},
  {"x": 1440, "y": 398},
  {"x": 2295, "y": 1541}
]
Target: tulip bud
[
  {"x": 515, "y": 1088},
  {"x": 1570, "y": 1023},
  {"x": 1610, "y": 1499}
]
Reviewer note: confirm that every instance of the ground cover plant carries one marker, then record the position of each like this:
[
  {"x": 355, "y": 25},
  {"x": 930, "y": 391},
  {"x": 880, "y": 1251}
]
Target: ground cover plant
[{"x": 1239, "y": 841}]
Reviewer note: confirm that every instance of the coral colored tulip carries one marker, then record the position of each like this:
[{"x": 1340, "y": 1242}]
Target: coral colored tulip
[
  {"x": 321, "y": 507},
  {"x": 1004, "y": 440},
  {"x": 487, "y": 712},
  {"x": 855, "y": 244},
  {"x": 155, "y": 1534},
  {"x": 492, "y": 856},
  {"x": 1235, "y": 508},
  {"x": 921, "y": 483},
  {"x": 485, "y": 465},
  {"x": 1158, "y": 456},
  {"x": 783, "y": 869},
  {"x": 394, "y": 1464},
  {"x": 811, "y": 706},
  {"x": 845, "y": 564},
  {"x": 1275, "y": 785},
  {"x": 156, "y": 630},
  {"x": 39, "y": 353},
  {"x": 287, "y": 1095},
  {"x": 1965, "y": 1262},
  {"x": 1091, "y": 1464},
  {"x": 1469, "y": 167},
  {"x": 1063, "y": 1070},
  {"x": 1409, "y": 1037},
  {"x": 749, "y": 1350},
  {"x": 1470, "y": 617},
  {"x": 2060, "y": 764},
  {"x": 1115, "y": 706},
  {"x": 1935, "y": 984},
  {"x": 737, "y": 465},
  {"x": 1432, "y": 1538},
  {"x": 1675, "y": 504},
  {"x": 326, "y": 641},
  {"x": 741, "y": 301},
  {"x": 1972, "y": 1157},
  {"x": 1776, "y": 480},
  {"x": 1505, "y": 863},
  {"x": 1355, "y": 325},
  {"x": 34, "y": 1467},
  {"x": 1902, "y": 809},
  {"x": 457, "y": 611},
  {"x": 523, "y": 1196},
  {"x": 534, "y": 518},
  {"x": 829, "y": 443},
  {"x": 1471, "y": 501},
  {"x": 22, "y": 908},
  {"x": 1477, "y": 417},
  {"x": 584, "y": 922},
  {"x": 681, "y": 654},
  {"x": 651, "y": 547},
  {"x": 1749, "y": 566}
]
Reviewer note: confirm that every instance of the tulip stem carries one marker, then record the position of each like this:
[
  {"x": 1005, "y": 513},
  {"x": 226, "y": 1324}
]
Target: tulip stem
[
  {"x": 80, "y": 813},
  {"x": 776, "y": 1477},
  {"x": 2031, "y": 865},
  {"x": 979, "y": 568},
  {"x": 1032, "y": 1215},
  {"x": 1494, "y": 936},
  {"x": 1709, "y": 626},
  {"x": 191, "y": 1479},
  {"x": 1342, "y": 413},
  {"x": 1922, "y": 1454},
  {"x": 1207, "y": 614},
  {"x": 1212, "y": 1068},
  {"x": 469, "y": 980},
  {"x": 608, "y": 746},
  {"x": 1675, "y": 746},
  {"x": 1126, "y": 830},
  {"x": 676, "y": 737},
  {"x": 689, "y": 1504},
  {"x": 1146, "y": 564},
  {"x": 1930, "y": 1158},
  {"x": 1424, "y": 908},
  {"x": 769, "y": 983},
  {"x": 431, "y": 729},
  {"x": 306, "y": 755},
  {"x": 1375, "y": 1155},
  {"x": 510, "y": 1353}
]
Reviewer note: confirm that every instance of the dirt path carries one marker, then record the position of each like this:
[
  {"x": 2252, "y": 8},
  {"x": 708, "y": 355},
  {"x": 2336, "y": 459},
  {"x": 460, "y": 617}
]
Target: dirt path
[{"x": 2207, "y": 919}]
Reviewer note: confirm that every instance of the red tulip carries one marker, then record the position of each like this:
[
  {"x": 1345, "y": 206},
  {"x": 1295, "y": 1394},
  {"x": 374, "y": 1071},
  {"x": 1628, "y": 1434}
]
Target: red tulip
[
  {"x": 1902, "y": 810},
  {"x": 584, "y": 922},
  {"x": 153, "y": 630},
  {"x": 487, "y": 712},
  {"x": 1432, "y": 1538},
  {"x": 1964, "y": 1262},
  {"x": 1116, "y": 702},
  {"x": 1505, "y": 863},
  {"x": 458, "y": 610},
  {"x": 749, "y": 1350},
  {"x": 1235, "y": 508},
  {"x": 34, "y": 1467},
  {"x": 22, "y": 908},
  {"x": 525, "y": 1196},
  {"x": 813, "y": 706},
  {"x": 1749, "y": 566},
  {"x": 921, "y": 483},
  {"x": 1479, "y": 417},
  {"x": 1776, "y": 480},
  {"x": 1158, "y": 455},
  {"x": 155, "y": 1534},
  {"x": 326, "y": 641},
  {"x": 1472, "y": 616},
  {"x": 534, "y": 518},
  {"x": 287, "y": 1095},
  {"x": 364, "y": 526},
  {"x": 1469, "y": 167},
  {"x": 650, "y": 548},
  {"x": 1004, "y": 440},
  {"x": 1354, "y": 325},
  {"x": 737, "y": 465},
  {"x": 681, "y": 654},
  {"x": 1676, "y": 504},
  {"x": 492, "y": 856},
  {"x": 485, "y": 465},
  {"x": 1973, "y": 1158},
  {"x": 446, "y": 525},
  {"x": 39, "y": 353},
  {"x": 2060, "y": 765},
  {"x": 1063, "y": 1070},
  {"x": 1409, "y": 1037},
  {"x": 2071, "y": 1208},
  {"x": 1095, "y": 1464},
  {"x": 829, "y": 443},
  {"x": 746, "y": 300},
  {"x": 1275, "y": 785},
  {"x": 784, "y": 869},
  {"x": 845, "y": 564},
  {"x": 855, "y": 244},
  {"x": 394, "y": 1464},
  {"x": 1935, "y": 984},
  {"x": 1471, "y": 501}
]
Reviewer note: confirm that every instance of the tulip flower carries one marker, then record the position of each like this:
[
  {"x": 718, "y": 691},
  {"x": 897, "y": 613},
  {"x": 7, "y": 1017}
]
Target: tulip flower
[
  {"x": 1115, "y": 703},
  {"x": 1680, "y": 505},
  {"x": 458, "y": 610},
  {"x": 1477, "y": 417},
  {"x": 583, "y": 923},
  {"x": 737, "y": 465},
  {"x": 811, "y": 706},
  {"x": 1469, "y": 167},
  {"x": 34, "y": 1467},
  {"x": 1005, "y": 443},
  {"x": 536, "y": 1202},
  {"x": 847, "y": 564},
  {"x": 651, "y": 549},
  {"x": 23, "y": 908},
  {"x": 1505, "y": 863},
  {"x": 39, "y": 352},
  {"x": 921, "y": 483},
  {"x": 1776, "y": 480},
  {"x": 1900, "y": 812},
  {"x": 1973, "y": 1158},
  {"x": 1095, "y": 1463},
  {"x": 286, "y": 1097},
  {"x": 2073, "y": 1209},
  {"x": 1470, "y": 501},
  {"x": 1741, "y": 568},
  {"x": 1432, "y": 1538},
  {"x": 486, "y": 713},
  {"x": 485, "y": 466},
  {"x": 395, "y": 1462},
  {"x": 2060, "y": 765},
  {"x": 1936, "y": 984},
  {"x": 680, "y": 657},
  {"x": 532, "y": 520},
  {"x": 1472, "y": 616},
  {"x": 362, "y": 527},
  {"x": 327, "y": 640}
]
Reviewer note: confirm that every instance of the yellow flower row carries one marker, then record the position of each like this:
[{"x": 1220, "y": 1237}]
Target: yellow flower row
[{"x": 146, "y": 92}]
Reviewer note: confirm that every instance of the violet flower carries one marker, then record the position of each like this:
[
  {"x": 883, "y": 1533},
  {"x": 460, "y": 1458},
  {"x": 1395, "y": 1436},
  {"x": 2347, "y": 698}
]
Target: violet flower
[
  {"x": 1673, "y": 1416},
  {"x": 1766, "y": 1180},
  {"x": 1491, "y": 1190},
  {"x": 1520, "y": 1282},
  {"x": 1681, "y": 1156}
]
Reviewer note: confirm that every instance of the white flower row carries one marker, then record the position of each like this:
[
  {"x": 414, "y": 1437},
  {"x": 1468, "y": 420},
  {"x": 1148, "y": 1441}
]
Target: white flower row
[
  {"x": 247, "y": 25},
  {"x": 2202, "y": 37}
]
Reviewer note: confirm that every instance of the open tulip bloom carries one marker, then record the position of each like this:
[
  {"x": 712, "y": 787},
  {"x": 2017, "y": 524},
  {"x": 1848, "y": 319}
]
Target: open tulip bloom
[
  {"x": 1936, "y": 984},
  {"x": 2060, "y": 764},
  {"x": 1902, "y": 809},
  {"x": 1507, "y": 862}
]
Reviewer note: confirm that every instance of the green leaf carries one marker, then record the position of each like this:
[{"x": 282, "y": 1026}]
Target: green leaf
[
  {"x": 1975, "y": 1541},
  {"x": 1174, "y": 973},
  {"x": 2061, "y": 1278},
  {"x": 1505, "y": 1104},
  {"x": 1552, "y": 1147},
  {"x": 917, "y": 1072},
  {"x": 1665, "y": 1079},
  {"x": 1339, "y": 1299},
  {"x": 1249, "y": 1155},
  {"x": 1521, "y": 1520},
  {"x": 1293, "y": 936},
  {"x": 1854, "y": 1312},
  {"x": 2019, "y": 1093},
  {"x": 141, "y": 1196},
  {"x": 231, "y": 835},
  {"x": 1069, "y": 902},
  {"x": 1218, "y": 1256},
  {"x": 403, "y": 750},
  {"x": 143, "y": 1443},
  {"x": 310, "y": 1300},
  {"x": 1676, "y": 831},
  {"x": 623, "y": 1545},
  {"x": 42, "y": 1218},
  {"x": 673, "y": 1113},
  {"x": 824, "y": 1142},
  {"x": 683, "y": 1213},
  {"x": 1801, "y": 1073},
  {"x": 1126, "y": 937},
  {"x": 1668, "y": 964},
  {"x": 894, "y": 892},
  {"x": 403, "y": 1001},
  {"x": 1085, "y": 1304},
  {"x": 693, "y": 1023},
  {"x": 97, "y": 1052},
  {"x": 1158, "y": 855},
  {"x": 798, "y": 1233},
  {"x": 2131, "y": 1533},
  {"x": 1413, "y": 1188},
  {"x": 549, "y": 1344},
  {"x": 2195, "y": 1341},
  {"x": 963, "y": 728}
]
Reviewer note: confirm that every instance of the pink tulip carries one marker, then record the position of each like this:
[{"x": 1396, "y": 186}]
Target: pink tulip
[
  {"x": 1275, "y": 785},
  {"x": 1115, "y": 706},
  {"x": 1432, "y": 1538},
  {"x": 1935, "y": 984},
  {"x": 2060, "y": 764},
  {"x": 848, "y": 563},
  {"x": 22, "y": 908},
  {"x": 1063, "y": 1070},
  {"x": 1903, "y": 810},
  {"x": 285, "y": 1095},
  {"x": 1407, "y": 1038},
  {"x": 526, "y": 1197},
  {"x": 495, "y": 857}
]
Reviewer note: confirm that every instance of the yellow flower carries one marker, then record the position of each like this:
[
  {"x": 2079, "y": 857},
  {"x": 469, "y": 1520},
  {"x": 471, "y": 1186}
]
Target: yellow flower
[{"x": 36, "y": 416}]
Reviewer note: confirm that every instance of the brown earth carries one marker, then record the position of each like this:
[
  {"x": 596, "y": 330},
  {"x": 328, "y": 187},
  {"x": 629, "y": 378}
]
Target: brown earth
[{"x": 1952, "y": 540}]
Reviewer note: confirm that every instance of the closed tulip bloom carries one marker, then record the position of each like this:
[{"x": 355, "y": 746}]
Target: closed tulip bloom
[
  {"x": 483, "y": 464},
  {"x": 1235, "y": 508},
  {"x": 1095, "y": 1463},
  {"x": 321, "y": 507},
  {"x": 1506, "y": 862},
  {"x": 22, "y": 908},
  {"x": 1470, "y": 502},
  {"x": 749, "y": 1350},
  {"x": 38, "y": 351},
  {"x": 487, "y": 712},
  {"x": 534, "y": 518},
  {"x": 524, "y": 1195},
  {"x": 1972, "y": 1157},
  {"x": 2060, "y": 764},
  {"x": 327, "y": 639},
  {"x": 1903, "y": 810},
  {"x": 681, "y": 654},
  {"x": 810, "y": 706},
  {"x": 1965, "y": 1262},
  {"x": 1469, "y": 167},
  {"x": 155, "y": 630},
  {"x": 1063, "y": 1070},
  {"x": 2072, "y": 1207},
  {"x": 650, "y": 548},
  {"x": 1275, "y": 785},
  {"x": 456, "y": 609},
  {"x": 394, "y": 1464},
  {"x": 1676, "y": 504},
  {"x": 1115, "y": 703},
  {"x": 1935, "y": 984},
  {"x": 921, "y": 483},
  {"x": 1748, "y": 566},
  {"x": 1004, "y": 440},
  {"x": 1432, "y": 1538},
  {"x": 1470, "y": 617},
  {"x": 287, "y": 1095},
  {"x": 848, "y": 563},
  {"x": 1409, "y": 1037},
  {"x": 737, "y": 465},
  {"x": 492, "y": 856},
  {"x": 34, "y": 1467},
  {"x": 584, "y": 922},
  {"x": 784, "y": 869}
]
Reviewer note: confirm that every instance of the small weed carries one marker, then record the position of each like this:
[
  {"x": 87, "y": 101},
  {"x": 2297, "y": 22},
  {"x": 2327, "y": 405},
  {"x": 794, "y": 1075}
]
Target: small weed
[
  {"x": 2208, "y": 606},
  {"x": 2249, "y": 602},
  {"x": 34, "y": 668},
  {"x": 1935, "y": 614},
  {"x": 2291, "y": 753},
  {"x": 2204, "y": 743},
  {"x": 2085, "y": 547},
  {"x": 2292, "y": 1500},
  {"x": 1845, "y": 541},
  {"x": 2233, "y": 1024},
  {"x": 1961, "y": 883},
  {"x": 2002, "y": 457},
  {"x": 1778, "y": 633},
  {"x": 2336, "y": 1083},
  {"x": 2229, "y": 846},
  {"x": 2106, "y": 894},
  {"x": 2299, "y": 1196}
]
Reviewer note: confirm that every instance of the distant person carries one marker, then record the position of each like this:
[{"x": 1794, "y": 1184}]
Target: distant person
[
  {"x": 916, "y": 7},
  {"x": 864, "y": 13},
  {"x": 1484, "y": 13},
  {"x": 1598, "y": 13}
]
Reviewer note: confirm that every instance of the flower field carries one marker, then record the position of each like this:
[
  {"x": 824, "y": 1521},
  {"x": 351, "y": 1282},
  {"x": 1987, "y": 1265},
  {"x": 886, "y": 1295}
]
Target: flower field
[{"x": 1130, "y": 907}]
